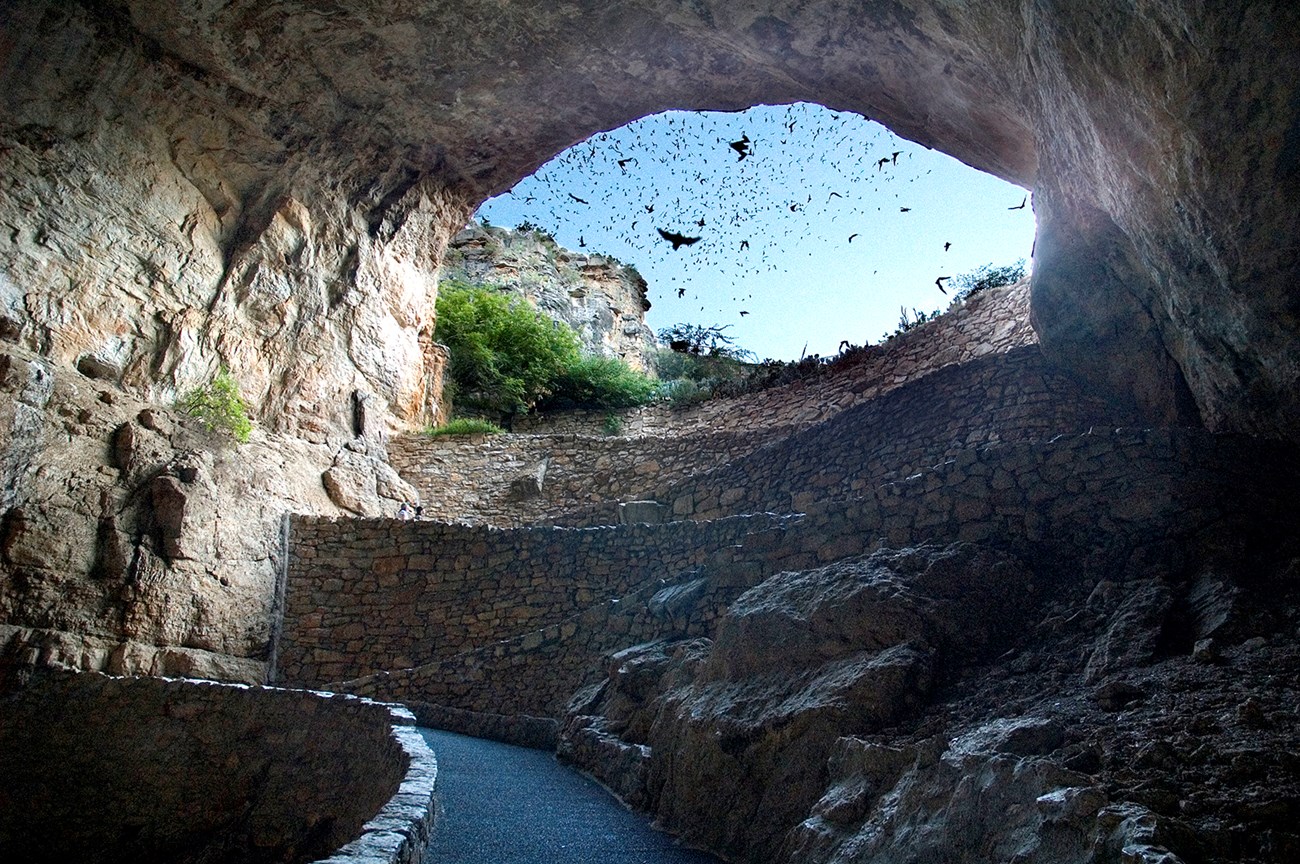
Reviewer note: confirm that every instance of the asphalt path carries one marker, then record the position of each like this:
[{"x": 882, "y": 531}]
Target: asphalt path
[{"x": 499, "y": 804}]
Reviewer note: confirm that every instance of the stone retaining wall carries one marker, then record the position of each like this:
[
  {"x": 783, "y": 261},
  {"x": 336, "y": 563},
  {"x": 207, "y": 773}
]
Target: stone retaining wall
[
  {"x": 470, "y": 479},
  {"x": 1000, "y": 398},
  {"x": 1082, "y": 499},
  {"x": 158, "y": 770},
  {"x": 991, "y": 322},
  {"x": 1006, "y": 397},
  {"x": 374, "y": 594}
]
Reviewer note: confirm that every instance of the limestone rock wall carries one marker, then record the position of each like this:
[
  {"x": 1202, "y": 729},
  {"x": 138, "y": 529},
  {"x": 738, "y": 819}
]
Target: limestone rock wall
[
  {"x": 160, "y": 222},
  {"x": 603, "y": 300},
  {"x": 252, "y": 178},
  {"x": 133, "y": 541}
]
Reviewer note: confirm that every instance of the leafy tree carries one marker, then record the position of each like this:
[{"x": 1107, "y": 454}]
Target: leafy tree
[
  {"x": 987, "y": 276},
  {"x": 505, "y": 355},
  {"x": 701, "y": 341},
  {"x": 219, "y": 407},
  {"x": 602, "y": 382}
]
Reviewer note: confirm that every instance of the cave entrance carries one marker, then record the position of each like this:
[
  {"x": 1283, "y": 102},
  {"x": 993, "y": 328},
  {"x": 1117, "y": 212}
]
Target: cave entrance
[{"x": 793, "y": 226}]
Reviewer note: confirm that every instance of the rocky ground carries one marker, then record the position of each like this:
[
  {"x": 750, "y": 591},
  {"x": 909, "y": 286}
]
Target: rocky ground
[{"x": 956, "y": 704}]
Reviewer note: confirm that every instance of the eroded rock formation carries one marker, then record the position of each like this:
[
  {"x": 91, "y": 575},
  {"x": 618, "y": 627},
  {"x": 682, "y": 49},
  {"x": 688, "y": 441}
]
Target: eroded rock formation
[
  {"x": 273, "y": 186},
  {"x": 136, "y": 542},
  {"x": 956, "y": 704},
  {"x": 603, "y": 300}
]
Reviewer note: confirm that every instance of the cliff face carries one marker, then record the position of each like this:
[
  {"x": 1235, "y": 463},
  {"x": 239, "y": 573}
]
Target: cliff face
[
  {"x": 272, "y": 185},
  {"x": 160, "y": 222},
  {"x": 603, "y": 300},
  {"x": 134, "y": 541}
]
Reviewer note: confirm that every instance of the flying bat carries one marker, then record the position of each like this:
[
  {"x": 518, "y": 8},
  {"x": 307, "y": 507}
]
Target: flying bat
[
  {"x": 678, "y": 240},
  {"x": 1021, "y": 205},
  {"x": 741, "y": 147},
  {"x": 938, "y": 283},
  {"x": 579, "y": 200}
]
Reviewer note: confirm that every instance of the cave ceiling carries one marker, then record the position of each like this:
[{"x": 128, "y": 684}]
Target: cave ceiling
[{"x": 1162, "y": 140}]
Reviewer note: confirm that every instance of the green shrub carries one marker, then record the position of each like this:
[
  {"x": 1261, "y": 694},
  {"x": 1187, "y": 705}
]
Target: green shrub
[
  {"x": 219, "y": 407},
  {"x": 505, "y": 355},
  {"x": 985, "y": 277},
  {"x": 601, "y": 382},
  {"x": 681, "y": 392},
  {"x": 464, "y": 426}
]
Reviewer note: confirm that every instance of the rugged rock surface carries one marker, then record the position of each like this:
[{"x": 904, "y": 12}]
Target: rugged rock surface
[
  {"x": 954, "y": 704},
  {"x": 133, "y": 541},
  {"x": 272, "y": 186},
  {"x": 601, "y": 299}
]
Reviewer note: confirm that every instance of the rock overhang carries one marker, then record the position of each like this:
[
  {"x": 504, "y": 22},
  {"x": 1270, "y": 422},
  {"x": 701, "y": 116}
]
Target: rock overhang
[{"x": 1155, "y": 138}]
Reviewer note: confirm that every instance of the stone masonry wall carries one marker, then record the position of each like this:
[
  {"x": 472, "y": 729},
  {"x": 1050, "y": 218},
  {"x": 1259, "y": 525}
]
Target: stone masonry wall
[
  {"x": 91, "y": 773},
  {"x": 1005, "y": 397},
  {"x": 364, "y": 595},
  {"x": 1087, "y": 499},
  {"x": 468, "y": 479},
  {"x": 991, "y": 322}
]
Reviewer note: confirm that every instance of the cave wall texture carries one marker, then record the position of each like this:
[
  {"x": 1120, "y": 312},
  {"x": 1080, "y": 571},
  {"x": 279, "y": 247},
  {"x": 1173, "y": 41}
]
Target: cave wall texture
[{"x": 271, "y": 184}]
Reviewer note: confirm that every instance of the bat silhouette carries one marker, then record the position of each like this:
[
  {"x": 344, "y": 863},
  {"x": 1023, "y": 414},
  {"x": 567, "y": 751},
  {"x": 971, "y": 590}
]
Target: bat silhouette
[
  {"x": 1021, "y": 205},
  {"x": 678, "y": 240}
]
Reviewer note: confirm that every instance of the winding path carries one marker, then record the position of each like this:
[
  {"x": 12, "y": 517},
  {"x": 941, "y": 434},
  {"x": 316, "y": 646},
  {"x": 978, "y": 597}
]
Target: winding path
[{"x": 498, "y": 803}]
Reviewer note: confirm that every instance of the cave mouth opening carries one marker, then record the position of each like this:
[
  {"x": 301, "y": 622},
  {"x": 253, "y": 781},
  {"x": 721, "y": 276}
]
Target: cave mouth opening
[{"x": 820, "y": 226}]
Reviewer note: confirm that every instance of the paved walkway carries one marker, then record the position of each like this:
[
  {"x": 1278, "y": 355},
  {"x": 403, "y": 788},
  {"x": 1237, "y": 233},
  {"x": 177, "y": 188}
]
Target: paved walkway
[{"x": 499, "y": 804}]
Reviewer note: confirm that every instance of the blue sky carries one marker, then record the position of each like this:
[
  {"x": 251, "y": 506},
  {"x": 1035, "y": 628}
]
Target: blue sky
[{"x": 774, "y": 242}]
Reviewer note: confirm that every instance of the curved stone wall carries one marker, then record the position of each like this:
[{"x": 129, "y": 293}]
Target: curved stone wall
[
  {"x": 146, "y": 770},
  {"x": 1093, "y": 497},
  {"x": 589, "y": 472}
]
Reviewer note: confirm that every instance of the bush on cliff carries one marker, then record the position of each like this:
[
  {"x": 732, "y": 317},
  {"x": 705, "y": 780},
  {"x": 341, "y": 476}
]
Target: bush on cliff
[
  {"x": 219, "y": 407},
  {"x": 505, "y": 355},
  {"x": 601, "y": 382},
  {"x": 508, "y": 357}
]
